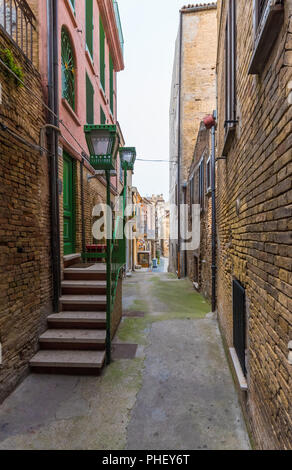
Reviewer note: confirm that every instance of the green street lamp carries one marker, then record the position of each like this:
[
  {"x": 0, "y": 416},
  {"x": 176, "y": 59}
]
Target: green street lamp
[
  {"x": 103, "y": 145},
  {"x": 128, "y": 157}
]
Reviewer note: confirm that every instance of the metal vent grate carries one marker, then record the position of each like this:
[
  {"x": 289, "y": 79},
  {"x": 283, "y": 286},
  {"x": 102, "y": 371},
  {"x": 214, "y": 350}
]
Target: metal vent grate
[{"x": 239, "y": 323}]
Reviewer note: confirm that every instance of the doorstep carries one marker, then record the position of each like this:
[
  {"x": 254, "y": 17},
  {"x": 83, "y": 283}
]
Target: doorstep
[
  {"x": 71, "y": 259},
  {"x": 238, "y": 370}
]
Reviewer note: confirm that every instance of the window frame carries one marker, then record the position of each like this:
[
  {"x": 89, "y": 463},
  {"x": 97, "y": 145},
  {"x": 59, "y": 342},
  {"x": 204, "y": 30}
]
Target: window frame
[
  {"x": 266, "y": 31},
  {"x": 201, "y": 183},
  {"x": 230, "y": 67},
  {"x": 208, "y": 175},
  {"x": 71, "y": 102},
  {"x": 88, "y": 10}
]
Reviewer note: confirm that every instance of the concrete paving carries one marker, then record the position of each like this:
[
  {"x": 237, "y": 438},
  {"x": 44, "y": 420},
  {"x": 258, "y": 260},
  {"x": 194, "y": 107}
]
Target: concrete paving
[{"x": 177, "y": 393}]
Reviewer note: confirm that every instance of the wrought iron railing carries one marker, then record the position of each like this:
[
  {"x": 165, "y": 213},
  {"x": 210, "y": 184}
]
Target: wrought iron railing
[
  {"x": 119, "y": 24},
  {"x": 115, "y": 257},
  {"x": 18, "y": 21}
]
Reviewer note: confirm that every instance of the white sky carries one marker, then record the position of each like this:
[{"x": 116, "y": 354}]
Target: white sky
[{"x": 150, "y": 28}]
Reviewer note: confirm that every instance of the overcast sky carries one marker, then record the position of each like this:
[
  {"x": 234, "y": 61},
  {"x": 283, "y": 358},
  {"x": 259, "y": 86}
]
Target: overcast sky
[{"x": 150, "y": 28}]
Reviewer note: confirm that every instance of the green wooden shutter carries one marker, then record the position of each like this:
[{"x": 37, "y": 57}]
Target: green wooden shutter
[
  {"x": 102, "y": 116},
  {"x": 89, "y": 101},
  {"x": 89, "y": 26},
  {"x": 102, "y": 53},
  {"x": 111, "y": 67}
]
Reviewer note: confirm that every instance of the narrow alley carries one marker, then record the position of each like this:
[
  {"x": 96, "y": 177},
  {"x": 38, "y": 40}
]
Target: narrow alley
[{"x": 169, "y": 386}]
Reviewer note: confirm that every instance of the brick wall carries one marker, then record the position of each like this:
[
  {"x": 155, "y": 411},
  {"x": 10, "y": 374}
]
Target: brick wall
[
  {"x": 25, "y": 275},
  {"x": 254, "y": 244},
  {"x": 199, "y": 261},
  {"x": 198, "y": 96}
]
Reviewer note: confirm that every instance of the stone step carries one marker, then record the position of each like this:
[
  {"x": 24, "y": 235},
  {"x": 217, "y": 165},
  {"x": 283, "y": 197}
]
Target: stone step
[
  {"x": 73, "y": 339},
  {"x": 83, "y": 302},
  {"x": 96, "y": 272},
  {"x": 70, "y": 260},
  {"x": 83, "y": 287},
  {"x": 73, "y": 362},
  {"x": 92, "y": 320}
]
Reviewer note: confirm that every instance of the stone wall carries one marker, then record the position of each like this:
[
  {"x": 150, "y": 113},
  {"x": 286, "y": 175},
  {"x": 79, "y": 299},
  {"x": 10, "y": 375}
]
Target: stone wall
[
  {"x": 25, "y": 274},
  {"x": 254, "y": 242}
]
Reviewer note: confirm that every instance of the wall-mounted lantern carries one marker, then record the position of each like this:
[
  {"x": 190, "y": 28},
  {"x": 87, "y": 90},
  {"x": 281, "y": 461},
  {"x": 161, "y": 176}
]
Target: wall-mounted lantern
[
  {"x": 128, "y": 157},
  {"x": 103, "y": 144}
]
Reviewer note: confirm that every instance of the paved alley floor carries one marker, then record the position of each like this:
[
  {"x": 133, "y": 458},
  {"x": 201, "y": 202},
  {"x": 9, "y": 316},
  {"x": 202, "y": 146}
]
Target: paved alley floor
[{"x": 176, "y": 393}]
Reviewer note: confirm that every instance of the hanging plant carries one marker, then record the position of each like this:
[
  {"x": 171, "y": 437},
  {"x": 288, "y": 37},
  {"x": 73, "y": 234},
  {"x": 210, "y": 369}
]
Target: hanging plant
[{"x": 7, "y": 56}]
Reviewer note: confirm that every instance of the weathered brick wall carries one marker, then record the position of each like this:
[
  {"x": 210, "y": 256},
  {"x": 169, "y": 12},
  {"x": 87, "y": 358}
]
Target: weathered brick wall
[
  {"x": 198, "y": 96},
  {"x": 254, "y": 246},
  {"x": 204, "y": 253},
  {"x": 198, "y": 77},
  {"x": 25, "y": 276}
]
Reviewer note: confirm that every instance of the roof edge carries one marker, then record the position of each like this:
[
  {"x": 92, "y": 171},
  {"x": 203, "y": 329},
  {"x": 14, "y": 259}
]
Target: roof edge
[{"x": 199, "y": 7}]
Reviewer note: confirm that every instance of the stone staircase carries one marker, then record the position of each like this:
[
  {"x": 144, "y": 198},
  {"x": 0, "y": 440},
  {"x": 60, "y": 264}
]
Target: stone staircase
[{"x": 76, "y": 337}]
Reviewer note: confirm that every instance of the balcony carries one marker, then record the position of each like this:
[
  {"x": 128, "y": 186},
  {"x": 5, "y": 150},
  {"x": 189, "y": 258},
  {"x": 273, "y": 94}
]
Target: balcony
[
  {"x": 18, "y": 22},
  {"x": 119, "y": 24}
]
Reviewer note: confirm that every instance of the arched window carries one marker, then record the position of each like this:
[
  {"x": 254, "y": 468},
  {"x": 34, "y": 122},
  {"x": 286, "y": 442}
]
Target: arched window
[{"x": 68, "y": 69}]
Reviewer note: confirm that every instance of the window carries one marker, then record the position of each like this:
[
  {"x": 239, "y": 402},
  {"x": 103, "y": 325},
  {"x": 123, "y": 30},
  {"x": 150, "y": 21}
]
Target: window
[
  {"x": 68, "y": 69},
  {"x": 208, "y": 175},
  {"x": 260, "y": 7},
  {"x": 72, "y": 3},
  {"x": 102, "y": 116},
  {"x": 239, "y": 323},
  {"x": 201, "y": 184},
  {"x": 89, "y": 26},
  {"x": 111, "y": 84},
  {"x": 268, "y": 21},
  {"x": 230, "y": 67},
  {"x": 89, "y": 101},
  {"x": 102, "y": 54}
]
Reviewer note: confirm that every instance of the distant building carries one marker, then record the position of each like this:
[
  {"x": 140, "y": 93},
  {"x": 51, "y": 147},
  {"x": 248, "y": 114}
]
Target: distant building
[{"x": 193, "y": 95}]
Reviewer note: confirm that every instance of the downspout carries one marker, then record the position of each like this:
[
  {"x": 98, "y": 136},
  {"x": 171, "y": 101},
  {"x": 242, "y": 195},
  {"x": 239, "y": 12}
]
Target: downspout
[
  {"x": 179, "y": 149},
  {"x": 82, "y": 205},
  {"x": 53, "y": 137},
  {"x": 213, "y": 187}
]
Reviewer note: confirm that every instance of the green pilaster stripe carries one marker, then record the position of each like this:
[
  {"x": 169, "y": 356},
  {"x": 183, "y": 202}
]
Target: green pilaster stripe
[
  {"x": 111, "y": 67},
  {"x": 102, "y": 116},
  {"x": 102, "y": 53},
  {"x": 89, "y": 101},
  {"x": 89, "y": 26}
]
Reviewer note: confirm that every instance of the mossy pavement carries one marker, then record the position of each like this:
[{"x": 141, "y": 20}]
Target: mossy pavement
[{"x": 106, "y": 412}]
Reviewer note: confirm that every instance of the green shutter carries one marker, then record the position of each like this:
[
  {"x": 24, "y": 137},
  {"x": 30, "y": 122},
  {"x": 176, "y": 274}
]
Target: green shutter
[
  {"x": 89, "y": 101},
  {"x": 102, "y": 116},
  {"x": 111, "y": 67},
  {"x": 89, "y": 26},
  {"x": 102, "y": 53}
]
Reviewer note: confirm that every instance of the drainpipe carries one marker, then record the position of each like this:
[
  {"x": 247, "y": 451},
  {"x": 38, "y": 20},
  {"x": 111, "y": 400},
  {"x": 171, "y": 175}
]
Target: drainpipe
[
  {"x": 82, "y": 205},
  {"x": 179, "y": 147},
  {"x": 213, "y": 187},
  {"x": 53, "y": 141}
]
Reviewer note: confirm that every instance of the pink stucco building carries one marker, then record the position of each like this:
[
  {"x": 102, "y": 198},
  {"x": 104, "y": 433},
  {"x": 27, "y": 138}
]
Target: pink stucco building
[{"x": 89, "y": 52}]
